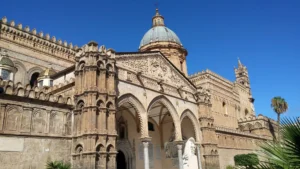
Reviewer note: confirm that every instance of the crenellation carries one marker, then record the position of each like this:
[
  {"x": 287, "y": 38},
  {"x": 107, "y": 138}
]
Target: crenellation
[{"x": 40, "y": 42}]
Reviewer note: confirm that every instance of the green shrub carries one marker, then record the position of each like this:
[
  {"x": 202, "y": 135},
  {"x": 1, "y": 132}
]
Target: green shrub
[
  {"x": 58, "y": 165},
  {"x": 230, "y": 167},
  {"x": 246, "y": 160}
]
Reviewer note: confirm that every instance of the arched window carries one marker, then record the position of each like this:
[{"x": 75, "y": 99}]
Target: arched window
[
  {"x": 224, "y": 107},
  {"x": 33, "y": 79},
  {"x": 223, "y": 104},
  {"x": 181, "y": 65},
  {"x": 246, "y": 112},
  {"x": 122, "y": 132},
  {"x": 150, "y": 126},
  {"x": 122, "y": 128},
  {"x": 5, "y": 74}
]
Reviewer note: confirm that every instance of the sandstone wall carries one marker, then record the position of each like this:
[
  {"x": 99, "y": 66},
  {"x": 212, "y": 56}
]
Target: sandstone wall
[
  {"x": 32, "y": 152},
  {"x": 226, "y": 156}
]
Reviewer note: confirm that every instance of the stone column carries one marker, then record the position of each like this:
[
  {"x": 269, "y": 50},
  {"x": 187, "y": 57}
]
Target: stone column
[
  {"x": 102, "y": 161},
  {"x": 112, "y": 161},
  {"x": 199, "y": 156},
  {"x": 179, "y": 147},
  {"x": 2, "y": 113},
  {"x": 146, "y": 153}
]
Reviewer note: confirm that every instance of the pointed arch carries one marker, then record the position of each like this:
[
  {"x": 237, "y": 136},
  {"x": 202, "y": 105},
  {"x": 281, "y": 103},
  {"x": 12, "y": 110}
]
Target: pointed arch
[
  {"x": 188, "y": 113},
  {"x": 139, "y": 108},
  {"x": 20, "y": 75},
  {"x": 167, "y": 103}
]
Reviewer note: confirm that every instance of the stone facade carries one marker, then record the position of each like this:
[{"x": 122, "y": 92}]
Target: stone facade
[{"x": 103, "y": 109}]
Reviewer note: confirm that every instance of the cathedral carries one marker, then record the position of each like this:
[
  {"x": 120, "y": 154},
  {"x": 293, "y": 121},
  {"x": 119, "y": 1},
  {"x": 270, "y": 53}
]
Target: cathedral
[{"x": 97, "y": 108}]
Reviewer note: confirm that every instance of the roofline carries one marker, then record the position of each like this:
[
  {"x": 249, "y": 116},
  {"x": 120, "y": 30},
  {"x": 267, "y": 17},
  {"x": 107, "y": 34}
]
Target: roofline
[
  {"x": 120, "y": 53},
  {"x": 63, "y": 72},
  {"x": 138, "y": 52}
]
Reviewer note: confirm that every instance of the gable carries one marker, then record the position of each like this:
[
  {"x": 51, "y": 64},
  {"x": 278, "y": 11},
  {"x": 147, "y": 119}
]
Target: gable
[{"x": 156, "y": 66}]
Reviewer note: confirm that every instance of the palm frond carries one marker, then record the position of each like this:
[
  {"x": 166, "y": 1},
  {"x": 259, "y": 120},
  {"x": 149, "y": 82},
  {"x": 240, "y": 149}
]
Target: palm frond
[{"x": 283, "y": 154}]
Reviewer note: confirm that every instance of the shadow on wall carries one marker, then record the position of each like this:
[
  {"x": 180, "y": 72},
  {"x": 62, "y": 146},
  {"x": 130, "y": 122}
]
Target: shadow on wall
[{"x": 272, "y": 129}]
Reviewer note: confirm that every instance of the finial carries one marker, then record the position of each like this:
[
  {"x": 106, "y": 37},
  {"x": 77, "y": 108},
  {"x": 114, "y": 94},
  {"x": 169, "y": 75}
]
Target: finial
[
  {"x": 20, "y": 26},
  {"x": 239, "y": 62},
  {"x": 4, "y": 19},
  {"x": 33, "y": 31},
  {"x": 12, "y": 23}
]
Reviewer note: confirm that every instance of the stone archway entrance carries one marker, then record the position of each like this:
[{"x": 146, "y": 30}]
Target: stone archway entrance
[
  {"x": 121, "y": 160},
  {"x": 126, "y": 153}
]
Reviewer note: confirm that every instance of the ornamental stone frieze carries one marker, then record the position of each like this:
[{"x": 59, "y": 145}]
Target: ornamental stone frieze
[{"x": 155, "y": 66}]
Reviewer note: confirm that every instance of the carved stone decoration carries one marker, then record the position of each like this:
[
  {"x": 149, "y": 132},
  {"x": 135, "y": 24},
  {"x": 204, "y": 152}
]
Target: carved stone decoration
[
  {"x": 56, "y": 123},
  {"x": 171, "y": 150},
  {"x": 26, "y": 120},
  {"x": 69, "y": 124},
  {"x": 2, "y": 112},
  {"x": 39, "y": 121},
  {"x": 13, "y": 118},
  {"x": 189, "y": 155},
  {"x": 156, "y": 67}
]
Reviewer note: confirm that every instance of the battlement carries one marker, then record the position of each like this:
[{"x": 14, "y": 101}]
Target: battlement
[
  {"x": 36, "y": 93},
  {"x": 93, "y": 47},
  {"x": 38, "y": 41},
  {"x": 255, "y": 118}
]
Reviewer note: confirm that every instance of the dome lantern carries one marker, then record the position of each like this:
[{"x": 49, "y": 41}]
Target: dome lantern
[
  {"x": 45, "y": 78},
  {"x": 157, "y": 20}
]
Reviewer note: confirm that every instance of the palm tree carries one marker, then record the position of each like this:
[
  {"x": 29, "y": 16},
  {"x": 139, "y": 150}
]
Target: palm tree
[
  {"x": 280, "y": 106},
  {"x": 283, "y": 154},
  {"x": 58, "y": 165}
]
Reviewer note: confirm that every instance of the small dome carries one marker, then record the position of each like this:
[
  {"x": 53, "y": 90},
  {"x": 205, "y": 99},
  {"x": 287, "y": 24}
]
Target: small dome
[
  {"x": 159, "y": 34},
  {"x": 47, "y": 73},
  {"x": 6, "y": 61}
]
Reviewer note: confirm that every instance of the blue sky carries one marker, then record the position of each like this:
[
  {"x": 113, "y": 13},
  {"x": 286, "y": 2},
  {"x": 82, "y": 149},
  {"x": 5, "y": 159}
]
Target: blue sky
[{"x": 264, "y": 34}]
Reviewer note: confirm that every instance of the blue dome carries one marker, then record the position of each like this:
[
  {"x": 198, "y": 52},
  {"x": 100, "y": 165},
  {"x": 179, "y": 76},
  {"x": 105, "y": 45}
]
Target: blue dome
[{"x": 159, "y": 34}]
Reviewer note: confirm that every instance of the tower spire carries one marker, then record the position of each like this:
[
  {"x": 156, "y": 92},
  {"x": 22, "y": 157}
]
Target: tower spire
[{"x": 239, "y": 62}]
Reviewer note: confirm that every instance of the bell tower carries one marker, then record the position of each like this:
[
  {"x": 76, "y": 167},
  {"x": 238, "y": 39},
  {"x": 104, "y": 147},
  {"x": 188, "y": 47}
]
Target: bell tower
[
  {"x": 94, "y": 132},
  {"x": 241, "y": 75}
]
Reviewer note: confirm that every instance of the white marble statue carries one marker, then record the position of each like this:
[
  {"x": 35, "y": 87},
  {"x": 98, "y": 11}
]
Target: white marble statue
[{"x": 189, "y": 155}]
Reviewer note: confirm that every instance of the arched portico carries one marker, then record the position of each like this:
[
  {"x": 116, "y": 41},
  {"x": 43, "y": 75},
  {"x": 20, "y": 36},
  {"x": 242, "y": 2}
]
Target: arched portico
[
  {"x": 187, "y": 114},
  {"x": 163, "y": 113},
  {"x": 161, "y": 102},
  {"x": 131, "y": 103},
  {"x": 188, "y": 122}
]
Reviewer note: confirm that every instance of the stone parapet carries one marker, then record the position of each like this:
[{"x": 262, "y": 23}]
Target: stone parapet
[
  {"x": 202, "y": 75},
  {"x": 37, "y": 41},
  {"x": 35, "y": 93},
  {"x": 236, "y": 132}
]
